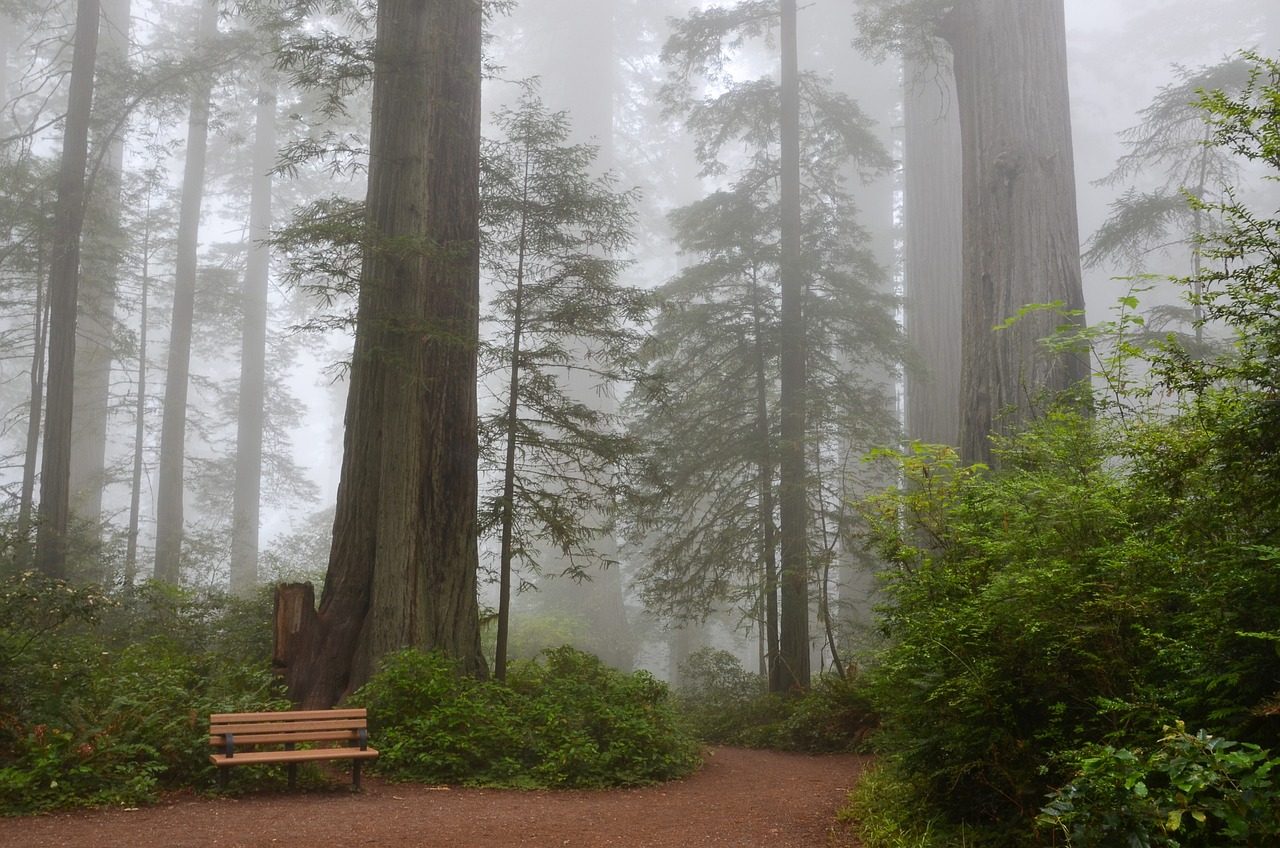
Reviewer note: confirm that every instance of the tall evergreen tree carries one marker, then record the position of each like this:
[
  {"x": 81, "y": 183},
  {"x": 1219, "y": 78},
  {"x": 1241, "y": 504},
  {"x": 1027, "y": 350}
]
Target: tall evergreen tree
[
  {"x": 246, "y": 506},
  {"x": 173, "y": 435},
  {"x": 551, "y": 235},
  {"x": 64, "y": 282},
  {"x": 403, "y": 566},
  {"x": 743, "y": 324}
]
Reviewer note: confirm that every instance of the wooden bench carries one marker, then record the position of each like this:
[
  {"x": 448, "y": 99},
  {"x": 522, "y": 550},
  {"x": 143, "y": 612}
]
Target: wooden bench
[{"x": 232, "y": 733}]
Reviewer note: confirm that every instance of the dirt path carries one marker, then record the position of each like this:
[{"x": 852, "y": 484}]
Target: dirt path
[{"x": 745, "y": 799}]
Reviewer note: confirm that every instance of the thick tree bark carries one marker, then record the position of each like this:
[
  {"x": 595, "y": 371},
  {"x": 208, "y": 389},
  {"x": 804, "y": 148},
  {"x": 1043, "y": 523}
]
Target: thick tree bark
[
  {"x": 1021, "y": 239},
  {"x": 64, "y": 282},
  {"x": 95, "y": 348},
  {"x": 402, "y": 571},
  {"x": 245, "y": 508},
  {"x": 932, "y": 257},
  {"x": 792, "y": 672},
  {"x": 173, "y": 427}
]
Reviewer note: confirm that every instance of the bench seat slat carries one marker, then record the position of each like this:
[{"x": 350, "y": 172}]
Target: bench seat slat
[
  {"x": 249, "y": 757},
  {"x": 299, "y": 728},
  {"x": 292, "y": 715},
  {"x": 284, "y": 738}
]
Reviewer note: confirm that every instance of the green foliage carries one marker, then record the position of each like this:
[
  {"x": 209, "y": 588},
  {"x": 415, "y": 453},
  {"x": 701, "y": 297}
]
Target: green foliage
[
  {"x": 726, "y": 704},
  {"x": 566, "y": 720},
  {"x": 1116, "y": 574},
  {"x": 1199, "y": 790},
  {"x": 103, "y": 697}
]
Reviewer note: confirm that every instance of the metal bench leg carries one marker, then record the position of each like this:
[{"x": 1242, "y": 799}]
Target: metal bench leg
[
  {"x": 355, "y": 773},
  {"x": 293, "y": 775},
  {"x": 222, "y": 777}
]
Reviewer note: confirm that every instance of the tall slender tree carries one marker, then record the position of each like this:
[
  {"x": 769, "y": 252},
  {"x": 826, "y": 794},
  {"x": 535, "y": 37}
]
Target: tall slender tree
[
  {"x": 96, "y": 330},
  {"x": 64, "y": 283},
  {"x": 769, "y": 227},
  {"x": 403, "y": 566},
  {"x": 552, "y": 234},
  {"x": 173, "y": 428},
  {"x": 246, "y": 504}
]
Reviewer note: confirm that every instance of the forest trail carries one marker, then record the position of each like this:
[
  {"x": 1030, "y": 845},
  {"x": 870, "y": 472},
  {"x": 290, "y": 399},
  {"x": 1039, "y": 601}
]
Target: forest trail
[{"x": 740, "y": 798}]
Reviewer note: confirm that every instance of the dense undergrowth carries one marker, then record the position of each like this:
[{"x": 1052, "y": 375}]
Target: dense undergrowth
[
  {"x": 1082, "y": 646},
  {"x": 105, "y": 698},
  {"x": 565, "y": 720}
]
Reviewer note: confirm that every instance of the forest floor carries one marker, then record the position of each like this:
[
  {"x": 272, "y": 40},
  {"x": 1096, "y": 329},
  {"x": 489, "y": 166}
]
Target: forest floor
[{"x": 740, "y": 798}]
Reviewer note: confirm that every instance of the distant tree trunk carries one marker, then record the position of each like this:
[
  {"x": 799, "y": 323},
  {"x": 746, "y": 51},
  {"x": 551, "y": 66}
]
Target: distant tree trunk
[
  {"x": 139, "y": 421},
  {"x": 766, "y": 470},
  {"x": 506, "y": 554},
  {"x": 253, "y": 358},
  {"x": 26, "y": 503},
  {"x": 95, "y": 350},
  {"x": 64, "y": 282},
  {"x": 173, "y": 427},
  {"x": 791, "y": 672},
  {"x": 580, "y": 74},
  {"x": 1021, "y": 239},
  {"x": 932, "y": 257},
  {"x": 402, "y": 571}
]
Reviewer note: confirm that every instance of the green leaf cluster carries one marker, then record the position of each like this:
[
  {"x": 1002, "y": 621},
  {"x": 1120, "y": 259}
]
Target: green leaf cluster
[
  {"x": 565, "y": 720},
  {"x": 104, "y": 697},
  {"x": 1190, "y": 790}
]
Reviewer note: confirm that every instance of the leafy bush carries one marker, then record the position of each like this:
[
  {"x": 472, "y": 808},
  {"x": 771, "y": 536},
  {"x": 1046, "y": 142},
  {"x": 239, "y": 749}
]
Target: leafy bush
[
  {"x": 1198, "y": 791},
  {"x": 103, "y": 697},
  {"x": 726, "y": 704},
  {"x": 566, "y": 720}
]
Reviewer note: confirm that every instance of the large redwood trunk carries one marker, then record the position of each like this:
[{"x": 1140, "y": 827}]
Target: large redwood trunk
[
  {"x": 402, "y": 570},
  {"x": 932, "y": 263},
  {"x": 1021, "y": 239}
]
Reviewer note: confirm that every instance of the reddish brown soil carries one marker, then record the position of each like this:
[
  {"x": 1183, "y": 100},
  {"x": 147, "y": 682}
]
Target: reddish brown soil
[{"x": 745, "y": 799}]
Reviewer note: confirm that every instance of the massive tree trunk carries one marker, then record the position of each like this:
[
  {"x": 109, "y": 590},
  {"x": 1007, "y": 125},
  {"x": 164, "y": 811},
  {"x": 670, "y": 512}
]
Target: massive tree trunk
[
  {"x": 173, "y": 427},
  {"x": 1021, "y": 239},
  {"x": 791, "y": 672},
  {"x": 95, "y": 348},
  {"x": 402, "y": 570},
  {"x": 246, "y": 499},
  {"x": 64, "y": 282},
  {"x": 932, "y": 256}
]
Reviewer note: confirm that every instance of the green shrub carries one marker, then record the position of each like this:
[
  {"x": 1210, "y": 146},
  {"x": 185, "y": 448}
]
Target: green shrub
[
  {"x": 103, "y": 698},
  {"x": 566, "y": 720},
  {"x": 725, "y": 704},
  {"x": 1198, "y": 791}
]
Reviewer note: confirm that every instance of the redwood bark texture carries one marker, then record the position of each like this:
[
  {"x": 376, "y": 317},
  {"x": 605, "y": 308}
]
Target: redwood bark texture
[
  {"x": 1021, "y": 238},
  {"x": 402, "y": 570},
  {"x": 932, "y": 263}
]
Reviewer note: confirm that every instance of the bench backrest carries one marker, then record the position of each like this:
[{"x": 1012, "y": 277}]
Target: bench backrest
[{"x": 287, "y": 728}]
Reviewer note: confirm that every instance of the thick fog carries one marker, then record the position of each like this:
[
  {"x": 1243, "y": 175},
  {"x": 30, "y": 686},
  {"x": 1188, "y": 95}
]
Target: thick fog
[{"x": 600, "y": 62}]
